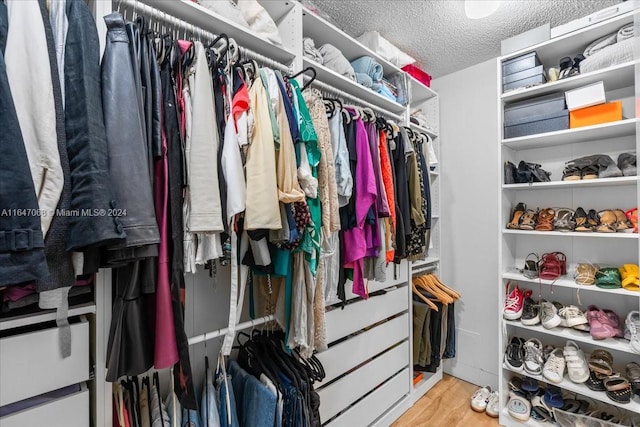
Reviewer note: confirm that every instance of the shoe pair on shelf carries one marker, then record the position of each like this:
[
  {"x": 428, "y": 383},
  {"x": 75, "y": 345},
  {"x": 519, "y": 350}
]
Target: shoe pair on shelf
[
  {"x": 549, "y": 266},
  {"x": 570, "y": 67},
  {"x": 487, "y": 401},
  {"x": 602, "y": 377},
  {"x": 599, "y": 166},
  {"x": 566, "y": 219},
  {"x": 603, "y": 323}
]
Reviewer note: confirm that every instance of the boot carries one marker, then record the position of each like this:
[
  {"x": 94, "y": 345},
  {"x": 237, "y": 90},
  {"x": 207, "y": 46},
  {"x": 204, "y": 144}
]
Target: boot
[{"x": 607, "y": 168}]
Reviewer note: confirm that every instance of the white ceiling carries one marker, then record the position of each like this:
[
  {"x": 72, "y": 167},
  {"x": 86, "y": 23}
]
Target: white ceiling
[{"x": 439, "y": 35}]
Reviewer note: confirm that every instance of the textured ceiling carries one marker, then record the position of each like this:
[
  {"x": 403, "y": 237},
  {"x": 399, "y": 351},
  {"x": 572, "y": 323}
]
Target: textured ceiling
[{"x": 439, "y": 35}]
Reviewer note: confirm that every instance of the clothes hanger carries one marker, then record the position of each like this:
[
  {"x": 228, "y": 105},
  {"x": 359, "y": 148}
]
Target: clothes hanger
[
  {"x": 308, "y": 69},
  {"x": 424, "y": 283},
  {"x": 455, "y": 294},
  {"x": 423, "y": 298}
]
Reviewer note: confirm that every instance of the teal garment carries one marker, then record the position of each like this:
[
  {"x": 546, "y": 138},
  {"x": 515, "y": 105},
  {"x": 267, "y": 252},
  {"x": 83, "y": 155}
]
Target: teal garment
[
  {"x": 272, "y": 115},
  {"x": 310, "y": 242}
]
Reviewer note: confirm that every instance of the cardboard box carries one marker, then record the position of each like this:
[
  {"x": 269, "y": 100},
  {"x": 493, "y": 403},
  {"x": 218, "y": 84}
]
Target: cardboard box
[
  {"x": 585, "y": 96},
  {"x": 598, "y": 114},
  {"x": 529, "y": 38}
]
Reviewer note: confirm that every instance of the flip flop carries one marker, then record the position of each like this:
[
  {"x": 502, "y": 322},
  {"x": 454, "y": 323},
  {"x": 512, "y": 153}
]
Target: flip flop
[
  {"x": 630, "y": 277},
  {"x": 618, "y": 389},
  {"x": 553, "y": 396}
]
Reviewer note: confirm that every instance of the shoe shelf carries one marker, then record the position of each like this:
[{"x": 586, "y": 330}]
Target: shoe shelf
[
  {"x": 581, "y": 389},
  {"x": 603, "y": 182},
  {"x": 626, "y": 127},
  {"x": 614, "y": 77},
  {"x": 615, "y": 344},
  {"x": 567, "y": 282},
  {"x": 507, "y": 420},
  {"x": 572, "y": 234}
]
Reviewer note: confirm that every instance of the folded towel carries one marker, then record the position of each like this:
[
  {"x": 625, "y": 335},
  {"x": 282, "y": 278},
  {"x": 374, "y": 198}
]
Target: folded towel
[
  {"x": 384, "y": 91},
  {"x": 368, "y": 65},
  {"x": 335, "y": 60},
  {"x": 611, "y": 55},
  {"x": 600, "y": 44},
  {"x": 625, "y": 32},
  {"x": 364, "y": 80},
  {"x": 310, "y": 50}
]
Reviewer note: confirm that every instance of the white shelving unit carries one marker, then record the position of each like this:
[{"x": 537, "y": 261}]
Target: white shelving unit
[{"x": 552, "y": 150}]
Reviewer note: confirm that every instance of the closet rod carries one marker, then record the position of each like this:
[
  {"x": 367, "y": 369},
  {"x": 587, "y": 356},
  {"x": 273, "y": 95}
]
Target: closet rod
[
  {"x": 421, "y": 271},
  {"x": 239, "y": 327},
  {"x": 174, "y": 22},
  {"x": 323, "y": 87}
]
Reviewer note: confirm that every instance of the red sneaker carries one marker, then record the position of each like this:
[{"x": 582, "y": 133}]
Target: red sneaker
[{"x": 514, "y": 303}]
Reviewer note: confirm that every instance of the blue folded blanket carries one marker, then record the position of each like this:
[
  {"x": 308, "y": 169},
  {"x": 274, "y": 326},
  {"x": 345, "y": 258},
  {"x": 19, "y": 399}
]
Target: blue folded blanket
[
  {"x": 369, "y": 66},
  {"x": 386, "y": 92}
]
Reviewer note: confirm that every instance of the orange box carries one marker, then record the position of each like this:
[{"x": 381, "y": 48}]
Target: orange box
[{"x": 603, "y": 113}]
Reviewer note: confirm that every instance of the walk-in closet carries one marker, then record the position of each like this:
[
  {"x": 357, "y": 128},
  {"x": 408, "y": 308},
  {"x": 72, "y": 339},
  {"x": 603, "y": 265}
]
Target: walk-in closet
[{"x": 306, "y": 213}]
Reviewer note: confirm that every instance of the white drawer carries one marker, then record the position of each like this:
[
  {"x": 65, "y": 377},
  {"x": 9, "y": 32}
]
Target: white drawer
[
  {"x": 68, "y": 411},
  {"x": 31, "y": 364}
]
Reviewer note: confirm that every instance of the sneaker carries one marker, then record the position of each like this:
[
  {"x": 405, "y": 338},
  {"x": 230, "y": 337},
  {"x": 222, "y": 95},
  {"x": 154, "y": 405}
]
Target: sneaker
[
  {"x": 533, "y": 356},
  {"x": 553, "y": 369},
  {"x": 559, "y": 307},
  {"x": 480, "y": 399},
  {"x": 493, "y": 405},
  {"x": 583, "y": 328},
  {"x": 539, "y": 409},
  {"x": 577, "y": 366},
  {"x": 530, "y": 315},
  {"x": 600, "y": 323},
  {"x": 572, "y": 316},
  {"x": 514, "y": 354},
  {"x": 632, "y": 330},
  {"x": 514, "y": 303},
  {"x": 549, "y": 315},
  {"x": 546, "y": 351},
  {"x": 518, "y": 407}
]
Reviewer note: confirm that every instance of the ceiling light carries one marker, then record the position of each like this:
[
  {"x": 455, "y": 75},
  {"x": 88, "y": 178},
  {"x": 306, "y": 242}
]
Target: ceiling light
[{"x": 478, "y": 9}]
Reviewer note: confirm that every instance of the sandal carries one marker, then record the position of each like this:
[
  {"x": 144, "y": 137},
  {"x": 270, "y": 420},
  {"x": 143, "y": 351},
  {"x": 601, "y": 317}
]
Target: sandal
[
  {"x": 516, "y": 216},
  {"x": 632, "y": 214},
  {"x": 528, "y": 220},
  {"x": 586, "y": 274},
  {"x": 580, "y": 218},
  {"x": 622, "y": 222},
  {"x": 545, "y": 220},
  {"x": 630, "y": 277},
  {"x": 618, "y": 389},
  {"x": 608, "y": 278},
  {"x": 590, "y": 172},
  {"x": 531, "y": 266},
  {"x": 592, "y": 219},
  {"x": 608, "y": 221},
  {"x": 564, "y": 219},
  {"x": 595, "y": 383},
  {"x": 553, "y": 396},
  {"x": 553, "y": 265},
  {"x": 571, "y": 173},
  {"x": 633, "y": 373},
  {"x": 600, "y": 362}
]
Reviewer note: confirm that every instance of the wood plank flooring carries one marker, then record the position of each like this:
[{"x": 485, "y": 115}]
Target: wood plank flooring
[{"x": 446, "y": 405}]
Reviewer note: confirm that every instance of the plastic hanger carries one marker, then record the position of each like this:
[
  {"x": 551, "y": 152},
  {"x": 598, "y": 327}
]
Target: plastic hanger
[{"x": 313, "y": 76}]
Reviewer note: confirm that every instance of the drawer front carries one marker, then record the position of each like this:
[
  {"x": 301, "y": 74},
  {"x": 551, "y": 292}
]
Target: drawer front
[
  {"x": 31, "y": 364},
  {"x": 68, "y": 411}
]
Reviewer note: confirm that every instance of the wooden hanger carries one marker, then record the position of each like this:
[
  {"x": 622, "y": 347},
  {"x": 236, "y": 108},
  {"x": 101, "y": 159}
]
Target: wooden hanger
[
  {"x": 426, "y": 284},
  {"x": 423, "y": 298},
  {"x": 455, "y": 294}
]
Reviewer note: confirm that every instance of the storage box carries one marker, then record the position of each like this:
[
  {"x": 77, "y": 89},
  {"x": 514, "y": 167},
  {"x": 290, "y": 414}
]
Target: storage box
[
  {"x": 598, "y": 114},
  {"x": 585, "y": 96},
  {"x": 528, "y": 38},
  {"x": 524, "y": 74},
  {"x": 516, "y": 111},
  {"x": 547, "y": 122},
  {"x": 534, "y": 80},
  {"x": 520, "y": 63},
  {"x": 594, "y": 18}
]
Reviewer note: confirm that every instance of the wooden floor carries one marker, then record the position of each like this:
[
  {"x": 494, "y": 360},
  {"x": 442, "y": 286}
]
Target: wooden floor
[{"x": 446, "y": 405}]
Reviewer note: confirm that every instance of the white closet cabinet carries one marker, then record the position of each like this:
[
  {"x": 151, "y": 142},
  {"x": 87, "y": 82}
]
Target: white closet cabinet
[{"x": 552, "y": 150}]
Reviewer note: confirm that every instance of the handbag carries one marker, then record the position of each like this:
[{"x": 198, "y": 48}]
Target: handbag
[
  {"x": 510, "y": 171},
  {"x": 531, "y": 172}
]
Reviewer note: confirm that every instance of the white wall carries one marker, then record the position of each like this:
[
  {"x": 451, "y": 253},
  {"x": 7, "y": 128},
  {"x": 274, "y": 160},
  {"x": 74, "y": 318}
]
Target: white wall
[{"x": 469, "y": 179}]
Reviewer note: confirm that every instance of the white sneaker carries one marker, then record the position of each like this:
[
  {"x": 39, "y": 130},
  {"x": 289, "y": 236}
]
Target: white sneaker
[
  {"x": 549, "y": 315},
  {"x": 480, "y": 399},
  {"x": 554, "y": 367},
  {"x": 533, "y": 356},
  {"x": 572, "y": 316},
  {"x": 519, "y": 407},
  {"x": 632, "y": 324},
  {"x": 577, "y": 366},
  {"x": 493, "y": 405}
]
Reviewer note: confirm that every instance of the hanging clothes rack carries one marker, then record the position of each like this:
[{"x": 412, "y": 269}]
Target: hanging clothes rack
[
  {"x": 325, "y": 88},
  {"x": 173, "y": 22},
  {"x": 223, "y": 331}
]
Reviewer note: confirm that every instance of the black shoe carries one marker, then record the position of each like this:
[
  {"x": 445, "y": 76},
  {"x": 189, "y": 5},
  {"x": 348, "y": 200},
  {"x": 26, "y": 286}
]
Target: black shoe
[
  {"x": 514, "y": 354},
  {"x": 530, "y": 314}
]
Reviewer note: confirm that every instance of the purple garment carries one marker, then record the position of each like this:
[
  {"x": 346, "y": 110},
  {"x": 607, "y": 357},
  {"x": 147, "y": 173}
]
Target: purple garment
[
  {"x": 355, "y": 241},
  {"x": 382, "y": 205}
]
